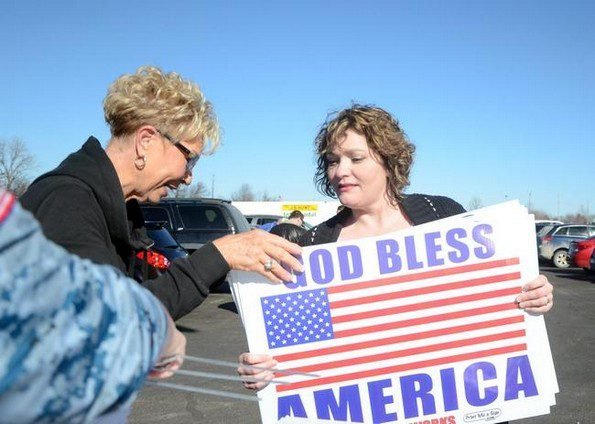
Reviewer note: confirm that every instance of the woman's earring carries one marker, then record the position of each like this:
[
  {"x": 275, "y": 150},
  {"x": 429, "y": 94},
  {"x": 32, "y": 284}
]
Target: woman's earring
[{"x": 140, "y": 163}]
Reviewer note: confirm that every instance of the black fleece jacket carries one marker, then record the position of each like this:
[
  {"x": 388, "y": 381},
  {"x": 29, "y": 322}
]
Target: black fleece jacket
[
  {"x": 81, "y": 207},
  {"x": 419, "y": 208}
]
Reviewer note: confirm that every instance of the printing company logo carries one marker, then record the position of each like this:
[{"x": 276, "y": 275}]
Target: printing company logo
[{"x": 487, "y": 415}]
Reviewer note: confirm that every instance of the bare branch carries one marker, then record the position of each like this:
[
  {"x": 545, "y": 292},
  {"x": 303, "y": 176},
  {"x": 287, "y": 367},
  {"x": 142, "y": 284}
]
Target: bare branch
[{"x": 15, "y": 163}]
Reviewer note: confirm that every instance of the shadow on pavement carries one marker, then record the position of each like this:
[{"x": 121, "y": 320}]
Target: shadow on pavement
[
  {"x": 229, "y": 306},
  {"x": 185, "y": 329}
]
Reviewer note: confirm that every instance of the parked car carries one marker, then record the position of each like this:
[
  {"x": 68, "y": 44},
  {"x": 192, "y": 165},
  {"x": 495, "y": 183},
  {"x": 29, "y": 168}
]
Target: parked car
[
  {"x": 579, "y": 253},
  {"x": 154, "y": 261},
  {"x": 555, "y": 244},
  {"x": 542, "y": 223},
  {"x": 257, "y": 220},
  {"x": 194, "y": 222}
]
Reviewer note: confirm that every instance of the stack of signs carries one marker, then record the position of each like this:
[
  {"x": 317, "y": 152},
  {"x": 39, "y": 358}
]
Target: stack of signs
[{"x": 417, "y": 326}]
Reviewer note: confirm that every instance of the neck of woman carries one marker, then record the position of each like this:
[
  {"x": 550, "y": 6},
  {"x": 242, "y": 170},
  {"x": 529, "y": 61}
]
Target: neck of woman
[
  {"x": 375, "y": 220},
  {"x": 116, "y": 152}
]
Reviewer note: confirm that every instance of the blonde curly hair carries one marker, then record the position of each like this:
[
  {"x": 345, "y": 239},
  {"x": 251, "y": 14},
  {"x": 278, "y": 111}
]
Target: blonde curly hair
[
  {"x": 385, "y": 139},
  {"x": 165, "y": 100}
]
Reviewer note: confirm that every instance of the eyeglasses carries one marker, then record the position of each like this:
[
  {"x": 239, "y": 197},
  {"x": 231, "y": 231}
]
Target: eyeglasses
[{"x": 190, "y": 156}]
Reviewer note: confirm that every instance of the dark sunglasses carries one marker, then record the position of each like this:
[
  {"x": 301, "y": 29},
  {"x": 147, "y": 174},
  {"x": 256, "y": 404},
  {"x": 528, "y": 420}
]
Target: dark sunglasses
[{"x": 191, "y": 157}]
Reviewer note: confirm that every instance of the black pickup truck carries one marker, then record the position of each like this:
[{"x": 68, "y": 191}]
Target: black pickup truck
[{"x": 194, "y": 222}]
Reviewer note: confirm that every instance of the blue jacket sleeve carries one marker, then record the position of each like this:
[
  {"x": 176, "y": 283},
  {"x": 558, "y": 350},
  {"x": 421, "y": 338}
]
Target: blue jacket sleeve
[{"x": 78, "y": 339}]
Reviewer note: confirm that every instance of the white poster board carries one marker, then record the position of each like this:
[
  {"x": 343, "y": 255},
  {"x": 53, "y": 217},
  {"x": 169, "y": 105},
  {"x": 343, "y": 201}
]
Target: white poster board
[{"x": 418, "y": 326}]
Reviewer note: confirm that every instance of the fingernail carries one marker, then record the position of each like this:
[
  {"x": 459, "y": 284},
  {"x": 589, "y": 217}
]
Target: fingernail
[{"x": 518, "y": 299}]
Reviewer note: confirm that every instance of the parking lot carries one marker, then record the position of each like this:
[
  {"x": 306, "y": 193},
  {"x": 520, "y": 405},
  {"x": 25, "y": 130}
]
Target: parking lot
[{"x": 214, "y": 330}]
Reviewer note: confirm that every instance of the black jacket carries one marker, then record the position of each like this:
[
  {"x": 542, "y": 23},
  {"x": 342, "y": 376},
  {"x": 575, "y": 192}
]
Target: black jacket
[
  {"x": 419, "y": 208},
  {"x": 81, "y": 207}
]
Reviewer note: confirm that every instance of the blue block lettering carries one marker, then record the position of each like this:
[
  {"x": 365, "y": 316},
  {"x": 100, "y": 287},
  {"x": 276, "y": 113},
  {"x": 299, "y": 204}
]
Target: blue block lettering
[
  {"x": 432, "y": 248},
  {"x": 321, "y": 266},
  {"x": 378, "y": 401},
  {"x": 452, "y": 239},
  {"x": 474, "y": 397},
  {"x": 388, "y": 258},
  {"x": 350, "y": 268},
  {"x": 290, "y": 406},
  {"x": 412, "y": 262},
  {"x": 479, "y": 235},
  {"x": 417, "y": 386},
  {"x": 449, "y": 389},
  {"x": 516, "y": 366},
  {"x": 328, "y": 408}
]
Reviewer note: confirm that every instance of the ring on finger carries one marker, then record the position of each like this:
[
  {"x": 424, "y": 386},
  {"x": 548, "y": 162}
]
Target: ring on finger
[{"x": 268, "y": 265}]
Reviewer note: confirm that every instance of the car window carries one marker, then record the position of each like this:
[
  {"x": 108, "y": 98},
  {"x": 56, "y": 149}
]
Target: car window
[
  {"x": 545, "y": 229},
  {"x": 562, "y": 231},
  {"x": 162, "y": 237},
  {"x": 201, "y": 217},
  {"x": 157, "y": 214},
  {"x": 578, "y": 231},
  {"x": 591, "y": 231}
]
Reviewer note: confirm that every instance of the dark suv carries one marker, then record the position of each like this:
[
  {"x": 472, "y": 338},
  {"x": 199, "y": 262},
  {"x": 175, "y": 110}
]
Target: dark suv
[{"x": 194, "y": 222}]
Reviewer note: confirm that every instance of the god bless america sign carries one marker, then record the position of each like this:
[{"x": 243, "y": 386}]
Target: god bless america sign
[{"x": 419, "y": 326}]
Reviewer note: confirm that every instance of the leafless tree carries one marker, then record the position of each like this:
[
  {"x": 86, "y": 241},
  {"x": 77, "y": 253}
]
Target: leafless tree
[
  {"x": 196, "y": 189},
  {"x": 244, "y": 193},
  {"x": 15, "y": 163},
  {"x": 539, "y": 214},
  {"x": 474, "y": 203},
  {"x": 266, "y": 197}
]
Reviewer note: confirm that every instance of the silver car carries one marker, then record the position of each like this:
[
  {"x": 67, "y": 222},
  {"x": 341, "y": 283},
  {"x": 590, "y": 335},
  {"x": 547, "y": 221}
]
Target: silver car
[{"x": 554, "y": 245}]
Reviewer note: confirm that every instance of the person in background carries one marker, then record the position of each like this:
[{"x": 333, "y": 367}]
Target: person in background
[
  {"x": 288, "y": 231},
  {"x": 78, "y": 339},
  {"x": 295, "y": 217},
  {"x": 364, "y": 159},
  {"x": 160, "y": 125}
]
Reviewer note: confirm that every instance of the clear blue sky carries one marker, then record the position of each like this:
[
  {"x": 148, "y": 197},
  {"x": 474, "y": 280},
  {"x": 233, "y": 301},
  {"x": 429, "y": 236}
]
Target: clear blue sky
[{"x": 499, "y": 97}]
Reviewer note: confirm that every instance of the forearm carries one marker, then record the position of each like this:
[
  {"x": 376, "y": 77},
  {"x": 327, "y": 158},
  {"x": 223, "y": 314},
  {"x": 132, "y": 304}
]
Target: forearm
[{"x": 187, "y": 282}]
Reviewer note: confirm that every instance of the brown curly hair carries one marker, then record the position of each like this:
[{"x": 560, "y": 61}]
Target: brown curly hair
[{"x": 385, "y": 139}]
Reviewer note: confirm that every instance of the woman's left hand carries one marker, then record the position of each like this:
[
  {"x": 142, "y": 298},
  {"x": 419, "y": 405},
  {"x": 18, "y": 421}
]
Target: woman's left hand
[{"x": 537, "y": 296}]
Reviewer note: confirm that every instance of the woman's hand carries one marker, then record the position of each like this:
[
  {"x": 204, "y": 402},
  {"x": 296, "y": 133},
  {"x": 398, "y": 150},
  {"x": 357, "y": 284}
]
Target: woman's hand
[
  {"x": 172, "y": 354},
  {"x": 258, "y": 360},
  {"x": 260, "y": 252},
  {"x": 537, "y": 296}
]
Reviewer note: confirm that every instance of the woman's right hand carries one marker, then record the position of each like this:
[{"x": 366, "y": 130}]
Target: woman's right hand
[
  {"x": 257, "y": 360},
  {"x": 252, "y": 250}
]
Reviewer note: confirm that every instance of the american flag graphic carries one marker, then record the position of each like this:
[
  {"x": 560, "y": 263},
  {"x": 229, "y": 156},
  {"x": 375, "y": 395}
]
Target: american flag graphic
[{"x": 355, "y": 330}]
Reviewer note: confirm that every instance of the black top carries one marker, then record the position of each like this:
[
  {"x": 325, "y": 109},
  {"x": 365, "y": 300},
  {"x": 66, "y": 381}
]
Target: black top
[
  {"x": 81, "y": 207},
  {"x": 419, "y": 208}
]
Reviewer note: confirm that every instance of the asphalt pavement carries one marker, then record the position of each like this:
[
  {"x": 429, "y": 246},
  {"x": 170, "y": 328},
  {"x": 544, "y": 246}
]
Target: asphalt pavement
[{"x": 214, "y": 330}]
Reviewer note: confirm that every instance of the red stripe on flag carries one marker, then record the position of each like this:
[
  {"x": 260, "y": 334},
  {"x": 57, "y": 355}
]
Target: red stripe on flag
[
  {"x": 423, "y": 305},
  {"x": 409, "y": 352},
  {"x": 400, "y": 368},
  {"x": 424, "y": 275},
  {"x": 426, "y": 290},
  {"x": 400, "y": 339},
  {"x": 424, "y": 320}
]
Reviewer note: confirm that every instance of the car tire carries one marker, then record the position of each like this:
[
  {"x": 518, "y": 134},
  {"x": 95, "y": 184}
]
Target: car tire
[{"x": 561, "y": 259}]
